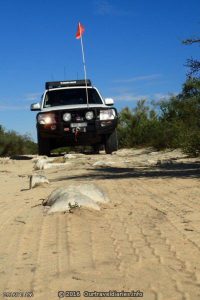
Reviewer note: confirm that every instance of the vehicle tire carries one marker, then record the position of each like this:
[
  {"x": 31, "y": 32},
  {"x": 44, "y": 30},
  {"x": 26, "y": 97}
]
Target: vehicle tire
[
  {"x": 111, "y": 143},
  {"x": 44, "y": 147},
  {"x": 96, "y": 149}
]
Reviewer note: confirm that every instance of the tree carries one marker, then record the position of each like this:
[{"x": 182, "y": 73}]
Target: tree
[{"x": 192, "y": 64}]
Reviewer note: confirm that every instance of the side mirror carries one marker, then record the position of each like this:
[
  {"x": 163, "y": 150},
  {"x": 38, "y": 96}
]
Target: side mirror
[
  {"x": 35, "y": 106},
  {"x": 109, "y": 101}
]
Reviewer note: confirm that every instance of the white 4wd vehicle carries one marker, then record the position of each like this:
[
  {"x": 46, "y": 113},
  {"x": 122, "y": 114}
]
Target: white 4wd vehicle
[{"x": 66, "y": 119}]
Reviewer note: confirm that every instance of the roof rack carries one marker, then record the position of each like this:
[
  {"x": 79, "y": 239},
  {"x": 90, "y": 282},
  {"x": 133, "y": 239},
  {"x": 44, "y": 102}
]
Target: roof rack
[{"x": 57, "y": 84}]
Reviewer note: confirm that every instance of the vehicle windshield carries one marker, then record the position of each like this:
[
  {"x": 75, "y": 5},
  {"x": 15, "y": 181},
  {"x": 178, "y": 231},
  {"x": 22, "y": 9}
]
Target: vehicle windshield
[{"x": 72, "y": 96}]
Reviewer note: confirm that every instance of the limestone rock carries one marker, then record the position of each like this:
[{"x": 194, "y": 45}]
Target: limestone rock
[
  {"x": 86, "y": 195},
  {"x": 38, "y": 180}
]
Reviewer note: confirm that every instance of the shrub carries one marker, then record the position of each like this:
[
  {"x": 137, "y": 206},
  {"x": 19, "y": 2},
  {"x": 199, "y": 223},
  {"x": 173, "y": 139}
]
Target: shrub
[
  {"x": 12, "y": 143},
  {"x": 173, "y": 123}
]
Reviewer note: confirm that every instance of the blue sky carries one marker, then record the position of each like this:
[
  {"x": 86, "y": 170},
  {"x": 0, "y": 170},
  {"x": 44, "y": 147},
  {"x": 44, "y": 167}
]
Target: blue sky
[{"x": 133, "y": 50}]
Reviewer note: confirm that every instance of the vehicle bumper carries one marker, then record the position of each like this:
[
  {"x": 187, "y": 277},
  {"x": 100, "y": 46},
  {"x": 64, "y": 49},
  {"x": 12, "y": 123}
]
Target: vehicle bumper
[{"x": 63, "y": 134}]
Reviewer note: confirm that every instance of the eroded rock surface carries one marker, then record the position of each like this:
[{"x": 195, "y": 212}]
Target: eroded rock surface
[{"x": 86, "y": 195}]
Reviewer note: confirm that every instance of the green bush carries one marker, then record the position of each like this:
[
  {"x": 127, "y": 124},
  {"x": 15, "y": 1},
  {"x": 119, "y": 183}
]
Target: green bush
[
  {"x": 12, "y": 143},
  {"x": 172, "y": 123},
  {"x": 191, "y": 143}
]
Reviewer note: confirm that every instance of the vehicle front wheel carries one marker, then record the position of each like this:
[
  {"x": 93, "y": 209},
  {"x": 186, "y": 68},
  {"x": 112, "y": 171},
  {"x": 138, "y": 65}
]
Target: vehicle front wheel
[
  {"x": 43, "y": 146},
  {"x": 111, "y": 143}
]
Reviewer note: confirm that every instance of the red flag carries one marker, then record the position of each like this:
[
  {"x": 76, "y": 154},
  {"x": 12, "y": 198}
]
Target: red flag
[{"x": 80, "y": 31}]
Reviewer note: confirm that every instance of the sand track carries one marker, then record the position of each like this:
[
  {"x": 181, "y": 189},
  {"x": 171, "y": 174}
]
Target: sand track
[{"x": 146, "y": 238}]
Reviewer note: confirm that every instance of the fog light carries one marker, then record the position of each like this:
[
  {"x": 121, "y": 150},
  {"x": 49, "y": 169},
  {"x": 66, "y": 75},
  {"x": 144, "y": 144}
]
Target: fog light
[
  {"x": 89, "y": 115},
  {"x": 67, "y": 117}
]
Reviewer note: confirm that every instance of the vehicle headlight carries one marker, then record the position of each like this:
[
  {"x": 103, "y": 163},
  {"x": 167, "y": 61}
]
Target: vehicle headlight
[
  {"x": 89, "y": 115},
  {"x": 48, "y": 118},
  {"x": 107, "y": 114},
  {"x": 67, "y": 117}
]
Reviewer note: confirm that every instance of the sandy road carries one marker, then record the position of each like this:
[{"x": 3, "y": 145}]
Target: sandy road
[{"x": 146, "y": 238}]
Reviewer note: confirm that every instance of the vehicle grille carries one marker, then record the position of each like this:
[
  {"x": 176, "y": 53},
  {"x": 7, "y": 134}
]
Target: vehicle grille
[{"x": 77, "y": 115}]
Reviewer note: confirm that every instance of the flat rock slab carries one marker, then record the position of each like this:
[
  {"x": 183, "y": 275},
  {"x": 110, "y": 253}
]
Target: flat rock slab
[
  {"x": 47, "y": 163},
  {"x": 65, "y": 198}
]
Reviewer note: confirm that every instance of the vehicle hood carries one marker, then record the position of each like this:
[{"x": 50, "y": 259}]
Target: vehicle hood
[{"x": 63, "y": 107}]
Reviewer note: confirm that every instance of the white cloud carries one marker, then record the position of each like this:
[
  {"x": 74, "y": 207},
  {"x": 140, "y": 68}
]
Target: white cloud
[
  {"x": 139, "y": 78},
  {"x": 132, "y": 97},
  {"x": 32, "y": 96},
  {"x": 104, "y": 7},
  {"x": 129, "y": 97},
  {"x": 13, "y": 107},
  {"x": 16, "y": 104},
  {"x": 162, "y": 96}
]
